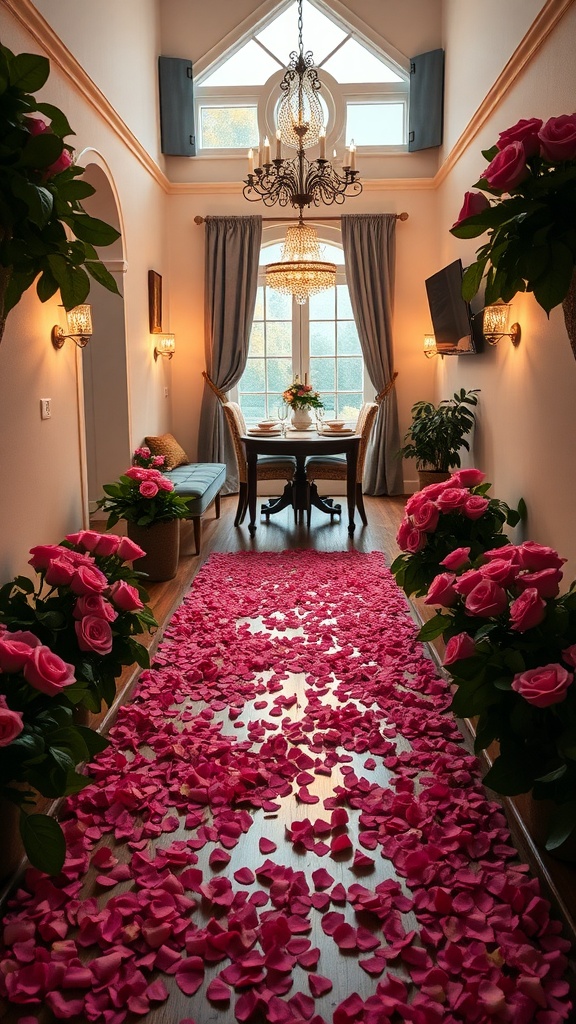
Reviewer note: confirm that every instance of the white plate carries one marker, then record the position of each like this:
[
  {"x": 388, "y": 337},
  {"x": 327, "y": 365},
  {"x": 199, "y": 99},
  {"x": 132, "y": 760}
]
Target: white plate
[
  {"x": 264, "y": 433},
  {"x": 336, "y": 433}
]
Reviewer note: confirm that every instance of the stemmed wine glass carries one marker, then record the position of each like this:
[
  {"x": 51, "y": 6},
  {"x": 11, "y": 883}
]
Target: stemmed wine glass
[
  {"x": 319, "y": 413},
  {"x": 283, "y": 416}
]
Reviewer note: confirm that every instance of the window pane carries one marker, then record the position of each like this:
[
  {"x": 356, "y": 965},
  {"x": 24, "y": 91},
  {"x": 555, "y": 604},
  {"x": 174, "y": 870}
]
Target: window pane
[
  {"x": 350, "y": 375},
  {"x": 322, "y": 338},
  {"x": 253, "y": 376},
  {"x": 253, "y": 407},
  {"x": 322, "y": 305},
  {"x": 348, "y": 340},
  {"x": 257, "y": 340},
  {"x": 279, "y": 376},
  {"x": 329, "y": 400},
  {"x": 279, "y": 339},
  {"x": 320, "y": 34},
  {"x": 278, "y": 307},
  {"x": 228, "y": 127},
  {"x": 349, "y": 406},
  {"x": 375, "y": 124},
  {"x": 323, "y": 375},
  {"x": 354, "y": 63},
  {"x": 343, "y": 305},
  {"x": 250, "y": 65}
]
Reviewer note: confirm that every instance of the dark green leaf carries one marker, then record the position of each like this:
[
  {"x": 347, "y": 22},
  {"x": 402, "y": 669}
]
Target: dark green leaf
[
  {"x": 59, "y": 122},
  {"x": 75, "y": 190},
  {"x": 41, "y": 150},
  {"x": 94, "y": 741},
  {"x": 44, "y": 842},
  {"x": 28, "y": 71},
  {"x": 46, "y": 286},
  {"x": 562, "y": 825},
  {"x": 472, "y": 279},
  {"x": 434, "y": 627},
  {"x": 90, "y": 229},
  {"x": 73, "y": 282},
  {"x": 509, "y": 776},
  {"x": 38, "y": 199},
  {"x": 99, "y": 272}
]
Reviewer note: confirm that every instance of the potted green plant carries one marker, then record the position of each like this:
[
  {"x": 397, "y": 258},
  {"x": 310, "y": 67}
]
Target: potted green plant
[
  {"x": 45, "y": 235},
  {"x": 437, "y": 433},
  {"x": 147, "y": 501}
]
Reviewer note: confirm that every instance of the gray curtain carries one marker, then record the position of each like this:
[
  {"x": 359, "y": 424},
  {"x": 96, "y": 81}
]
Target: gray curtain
[
  {"x": 231, "y": 276},
  {"x": 369, "y": 242}
]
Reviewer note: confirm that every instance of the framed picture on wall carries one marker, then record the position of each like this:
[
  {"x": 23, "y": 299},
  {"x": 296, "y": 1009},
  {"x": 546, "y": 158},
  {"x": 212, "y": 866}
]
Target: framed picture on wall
[{"x": 155, "y": 302}]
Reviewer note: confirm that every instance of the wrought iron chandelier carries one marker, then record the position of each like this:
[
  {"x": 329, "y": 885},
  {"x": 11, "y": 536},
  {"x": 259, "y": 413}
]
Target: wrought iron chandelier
[
  {"x": 299, "y": 181},
  {"x": 302, "y": 272}
]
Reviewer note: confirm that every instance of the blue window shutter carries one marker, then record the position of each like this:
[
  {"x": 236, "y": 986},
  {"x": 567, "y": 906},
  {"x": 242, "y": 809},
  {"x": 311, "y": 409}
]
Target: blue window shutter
[
  {"x": 426, "y": 100},
  {"x": 176, "y": 106}
]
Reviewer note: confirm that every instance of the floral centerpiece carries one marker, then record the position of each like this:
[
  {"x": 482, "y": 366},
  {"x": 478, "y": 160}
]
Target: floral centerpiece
[
  {"x": 40, "y": 745},
  {"x": 142, "y": 496},
  {"x": 143, "y": 457},
  {"x": 453, "y": 514},
  {"x": 40, "y": 196},
  {"x": 88, "y": 607},
  {"x": 302, "y": 396},
  {"x": 511, "y": 652},
  {"x": 527, "y": 204}
]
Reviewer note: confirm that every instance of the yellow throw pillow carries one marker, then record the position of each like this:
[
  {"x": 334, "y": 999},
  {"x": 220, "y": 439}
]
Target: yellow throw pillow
[{"x": 167, "y": 445}]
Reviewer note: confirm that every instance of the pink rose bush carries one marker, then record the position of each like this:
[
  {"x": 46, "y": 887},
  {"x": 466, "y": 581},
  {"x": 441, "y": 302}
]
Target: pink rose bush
[
  {"x": 40, "y": 745},
  {"x": 143, "y": 495},
  {"x": 511, "y": 654},
  {"x": 86, "y": 612},
  {"x": 526, "y": 204},
  {"x": 449, "y": 524}
]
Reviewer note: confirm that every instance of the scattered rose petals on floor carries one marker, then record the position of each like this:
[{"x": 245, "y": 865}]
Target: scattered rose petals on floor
[{"x": 459, "y": 935}]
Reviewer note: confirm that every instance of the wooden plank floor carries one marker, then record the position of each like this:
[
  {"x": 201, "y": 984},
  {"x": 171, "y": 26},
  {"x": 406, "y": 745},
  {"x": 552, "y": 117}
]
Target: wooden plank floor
[{"x": 281, "y": 534}]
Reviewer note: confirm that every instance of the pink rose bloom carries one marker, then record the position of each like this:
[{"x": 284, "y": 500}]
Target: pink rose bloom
[
  {"x": 543, "y": 686},
  {"x": 456, "y": 559},
  {"x": 35, "y": 125},
  {"x": 475, "y": 507},
  {"x": 467, "y": 477},
  {"x": 43, "y": 554},
  {"x": 459, "y": 647},
  {"x": 24, "y": 636},
  {"x": 431, "y": 491},
  {"x": 63, "y": 162},
  {"x": 509, "y": 552},
  {"x": 125, "y": 596},
  {"x": 527, "y": 611},
  {"x": 144, "y": 453},
  {"x": 415, "y": 501},
  {"x": 409, "y": 538},
  {"x": 426, "y": 517},
  {"x": 474, "y": 202},
  {"x": 546, "y": 582},
  {"x": 158, "y": 460},
  {"x": 524, "y": 131},
  {"x": 107, "y": 544},
  {"x": 508, "y": 168},
  {"x": 501, "y": 570},
  {"x": 452, "y": 499},
  {"x": 165, "y": 484},
  {"x": 14, "y": 654},
  {"x": 86, "y": 539},
  {"x": 441, "y": 590},
  {"x": 59, "y": 572},
  {"x": 88, "y": 580},
  {"x": 558, "y": 138},
  {"x": 136, "y": 473},
  {"x": 403, "y": 531},
  {"x": 486, "y": 600},
  {"x": 11, "y": 723},
  {"x": 467, "y": 581},
  {"x": 148, "y": 489},
  {"x": 46, "y": 672},
  {"x": 569, "y": 655},
  {"x": 128, "y": 550},
  {"x": 94, "y": 634},
  {"x": 94, "y": 604},
  {"x": 538, "y": 556}
]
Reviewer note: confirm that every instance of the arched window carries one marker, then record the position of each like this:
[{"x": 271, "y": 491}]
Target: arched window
[{"x": 319, "y": 339}]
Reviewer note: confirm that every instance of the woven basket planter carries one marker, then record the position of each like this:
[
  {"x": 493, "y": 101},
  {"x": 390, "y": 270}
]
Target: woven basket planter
[
  {"x": 161, "y": 542},
  {"x": 432, "y": 476}
]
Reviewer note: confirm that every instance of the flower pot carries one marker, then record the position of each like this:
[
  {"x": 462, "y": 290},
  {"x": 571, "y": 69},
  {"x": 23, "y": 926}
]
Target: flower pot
[
  {"x": 161, "y": 542},
  {"x": 301, "y": 419},
  {"x": 569, "y": 310},
  {"x": 11, "y": 847},
  {"x": 432, "y": 476}
]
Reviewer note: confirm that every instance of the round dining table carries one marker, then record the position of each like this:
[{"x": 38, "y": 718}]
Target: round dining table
[{"x": 298, "y": 493}]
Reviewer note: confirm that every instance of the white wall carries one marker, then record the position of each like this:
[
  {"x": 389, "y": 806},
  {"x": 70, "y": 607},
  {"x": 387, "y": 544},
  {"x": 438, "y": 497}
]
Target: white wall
[{"x": 527, "y": 414}]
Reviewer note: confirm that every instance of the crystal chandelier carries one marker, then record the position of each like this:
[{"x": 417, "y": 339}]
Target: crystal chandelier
[
  {"x": 299, "y": 181},
  {"x": 302, "y": 272}
]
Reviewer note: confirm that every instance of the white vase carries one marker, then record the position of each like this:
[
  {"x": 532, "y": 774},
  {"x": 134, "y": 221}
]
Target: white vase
[{"x": 301, "y": 419}]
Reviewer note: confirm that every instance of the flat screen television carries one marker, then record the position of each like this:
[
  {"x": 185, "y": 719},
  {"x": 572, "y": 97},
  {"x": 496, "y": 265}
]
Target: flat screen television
[{"x": 452, "y": 320}]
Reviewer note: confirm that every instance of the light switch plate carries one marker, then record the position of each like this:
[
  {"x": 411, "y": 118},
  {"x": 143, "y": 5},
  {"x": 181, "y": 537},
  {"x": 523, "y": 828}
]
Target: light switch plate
[{"x": 45, "y": 408}]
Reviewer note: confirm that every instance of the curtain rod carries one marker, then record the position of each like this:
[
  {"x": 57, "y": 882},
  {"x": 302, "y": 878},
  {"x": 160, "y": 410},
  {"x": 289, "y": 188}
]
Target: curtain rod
[{"x": 279, "y": 220}]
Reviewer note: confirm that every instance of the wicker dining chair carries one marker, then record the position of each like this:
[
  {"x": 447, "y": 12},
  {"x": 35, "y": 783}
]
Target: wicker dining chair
[
  {"x": 333, "y": 467},
  {"x": 269, "y": 467}
]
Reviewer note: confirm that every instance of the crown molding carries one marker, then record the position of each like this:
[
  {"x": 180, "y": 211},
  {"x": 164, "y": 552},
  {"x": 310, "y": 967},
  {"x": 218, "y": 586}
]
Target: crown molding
[
  {"x": 41, "y": 31},
  {"x": 552, "y": 12}
]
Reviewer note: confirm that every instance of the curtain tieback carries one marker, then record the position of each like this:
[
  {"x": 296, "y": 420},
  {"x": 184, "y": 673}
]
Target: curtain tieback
[
  {"x": 214, "y": 387},
  {"x": 386, "y": 389}
]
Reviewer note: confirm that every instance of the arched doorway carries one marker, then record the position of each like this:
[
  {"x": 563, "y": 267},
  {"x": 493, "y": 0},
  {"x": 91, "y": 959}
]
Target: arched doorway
[{"x": 104, "y": 364}]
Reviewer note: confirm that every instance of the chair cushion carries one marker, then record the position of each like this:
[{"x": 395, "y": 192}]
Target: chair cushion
[
  {"x": 326, "y": 467},
  {"x": 167, "y": 445},
  {"x": 199, "y": 481},
  {"x": 274, "y": 467}
]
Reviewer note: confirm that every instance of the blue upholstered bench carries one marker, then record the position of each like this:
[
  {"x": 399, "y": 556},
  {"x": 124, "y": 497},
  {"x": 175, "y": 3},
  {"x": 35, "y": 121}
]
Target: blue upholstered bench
[{"x": 201, "y": 482}]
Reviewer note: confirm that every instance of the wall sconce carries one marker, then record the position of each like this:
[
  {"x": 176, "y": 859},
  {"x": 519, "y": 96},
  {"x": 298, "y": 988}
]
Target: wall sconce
[
  {"x": 494, "y": 324},
  {"x": 430, "y": 346},
  {"x": 165, "y": 346},
  {"x": 79, "y": 326}
]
